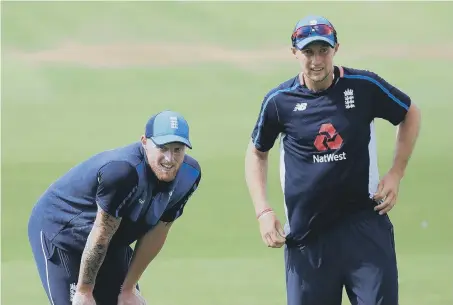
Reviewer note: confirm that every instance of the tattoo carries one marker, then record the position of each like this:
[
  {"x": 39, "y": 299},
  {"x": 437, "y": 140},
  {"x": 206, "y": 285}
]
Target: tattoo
[{"x": 96, "y": 247}]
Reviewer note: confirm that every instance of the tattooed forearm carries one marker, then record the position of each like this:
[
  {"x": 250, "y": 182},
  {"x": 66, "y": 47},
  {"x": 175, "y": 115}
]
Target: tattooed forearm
[
  {"x": 92, "y": 259},
  {"x": 96, "y": 247}
]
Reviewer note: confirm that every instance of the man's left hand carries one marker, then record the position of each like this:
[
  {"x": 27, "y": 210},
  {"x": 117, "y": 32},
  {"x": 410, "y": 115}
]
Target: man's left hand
[
  {"x": 131, "y": 297},
  {"x": 387, "y": 192}
]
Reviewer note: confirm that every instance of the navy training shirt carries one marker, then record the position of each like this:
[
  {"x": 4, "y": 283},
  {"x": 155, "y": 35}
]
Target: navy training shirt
[
  {"x": 121, "y": 182},
  {"x": 328, "y": 157}
]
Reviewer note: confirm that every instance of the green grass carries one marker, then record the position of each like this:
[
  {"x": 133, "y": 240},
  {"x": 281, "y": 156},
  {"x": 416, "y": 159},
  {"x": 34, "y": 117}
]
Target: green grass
[{"x": 54, "y": 116}]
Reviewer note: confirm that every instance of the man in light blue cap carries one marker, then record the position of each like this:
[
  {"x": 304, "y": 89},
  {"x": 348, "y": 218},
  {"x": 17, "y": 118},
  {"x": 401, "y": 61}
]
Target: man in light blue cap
[
  {"x": 81, "y": 228},
  {"x": 313, "y": 40},
  {"x": 337, "y": 233},
  {"x": 313, "y": 28}
]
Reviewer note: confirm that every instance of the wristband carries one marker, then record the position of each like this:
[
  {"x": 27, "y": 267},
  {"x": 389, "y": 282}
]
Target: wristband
[{"x": 264, "y": 212}]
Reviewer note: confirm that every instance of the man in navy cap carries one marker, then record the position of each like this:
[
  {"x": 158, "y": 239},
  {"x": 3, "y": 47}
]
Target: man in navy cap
[
  {"x": 81, "y": 227},
  {"x": 337, "y": 231}
]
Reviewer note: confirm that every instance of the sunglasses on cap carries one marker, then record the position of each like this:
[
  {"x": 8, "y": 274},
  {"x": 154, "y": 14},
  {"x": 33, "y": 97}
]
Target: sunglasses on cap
[{"x": 307, "y": 30}]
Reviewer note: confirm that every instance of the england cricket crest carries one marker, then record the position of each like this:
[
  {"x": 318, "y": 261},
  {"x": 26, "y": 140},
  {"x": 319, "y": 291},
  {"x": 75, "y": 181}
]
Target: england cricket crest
[
  {"x": 174, "y": 122},
  {"x": 72, "y": 290},
  {"x": 349, "y": 99}
]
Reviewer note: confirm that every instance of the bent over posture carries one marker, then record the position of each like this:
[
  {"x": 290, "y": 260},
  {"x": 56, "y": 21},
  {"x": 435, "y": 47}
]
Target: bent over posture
[{"x": 81, "y": 227}]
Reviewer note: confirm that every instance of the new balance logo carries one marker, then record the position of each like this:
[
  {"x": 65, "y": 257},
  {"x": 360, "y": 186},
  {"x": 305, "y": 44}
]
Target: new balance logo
[
  {"x": 300, "y": 107},
  {"x": 328, "y": 139},
  {"x": 349, "y": 99},
  {"x": 173, "y": 122}
]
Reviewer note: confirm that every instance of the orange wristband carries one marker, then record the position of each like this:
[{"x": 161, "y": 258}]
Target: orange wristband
[{"x": 263, "y": 212}]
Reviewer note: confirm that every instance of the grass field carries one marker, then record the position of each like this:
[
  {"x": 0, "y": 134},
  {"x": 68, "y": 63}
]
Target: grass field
[{"x": 81, "y": 77}]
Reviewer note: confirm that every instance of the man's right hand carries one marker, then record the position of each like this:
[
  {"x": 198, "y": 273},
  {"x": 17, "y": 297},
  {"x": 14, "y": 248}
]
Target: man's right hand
[
  {"x": 83, "y": 298},
  {"x": 271, "y": 230}
]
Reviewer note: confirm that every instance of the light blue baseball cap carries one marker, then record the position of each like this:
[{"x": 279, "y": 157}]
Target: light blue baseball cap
[
  {"x": 313, "y": 28},
  {"x": 167, "y": 127}
]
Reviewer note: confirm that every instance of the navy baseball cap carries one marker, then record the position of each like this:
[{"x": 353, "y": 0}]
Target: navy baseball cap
[
  {"x": 313, "y": 28},
  {"x": 167, "y": 127}
]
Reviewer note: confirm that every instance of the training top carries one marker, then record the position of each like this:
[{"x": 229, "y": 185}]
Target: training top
[
  {"x": 121, "y": 182},
  {"x": 328, "y": 161}
]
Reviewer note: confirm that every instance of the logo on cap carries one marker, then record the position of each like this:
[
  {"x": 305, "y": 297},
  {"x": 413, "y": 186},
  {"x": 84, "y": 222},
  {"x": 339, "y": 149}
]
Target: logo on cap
[
  {"x": 314, "y": 22},
  {"x": 173, "y": 122}
]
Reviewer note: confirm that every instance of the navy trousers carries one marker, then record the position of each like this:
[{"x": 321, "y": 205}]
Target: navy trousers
[
  {"x": 59, "y": 269},
  {"x": 357, "y": 254}
]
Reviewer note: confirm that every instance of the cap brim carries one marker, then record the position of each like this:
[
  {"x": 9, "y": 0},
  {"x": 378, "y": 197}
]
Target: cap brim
[
  {"x": 303, "y": 43},
  {"x": 162, "y": 140}
]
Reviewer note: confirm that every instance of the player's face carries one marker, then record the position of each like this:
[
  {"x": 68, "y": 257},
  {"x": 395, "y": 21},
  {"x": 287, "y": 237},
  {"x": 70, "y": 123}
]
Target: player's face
[
  {"x": 165, "y": 160},
  {"x": 316, "y": 60}
]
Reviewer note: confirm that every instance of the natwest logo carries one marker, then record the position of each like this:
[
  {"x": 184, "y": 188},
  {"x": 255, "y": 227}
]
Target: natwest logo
[
  {"x": 329, "y": 158},
  {"x": 328, "y": 139}
]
